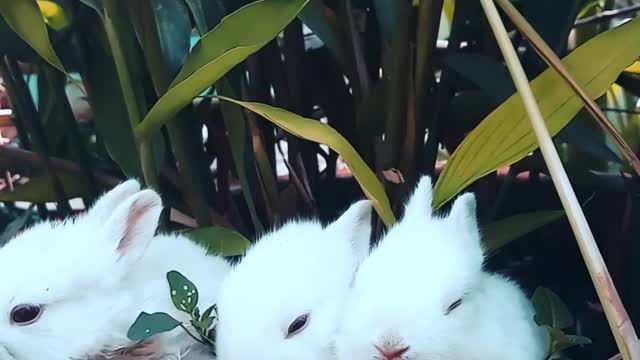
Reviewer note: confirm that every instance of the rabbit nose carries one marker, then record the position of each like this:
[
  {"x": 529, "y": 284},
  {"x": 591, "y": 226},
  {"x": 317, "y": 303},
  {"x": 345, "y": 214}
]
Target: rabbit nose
[{"x": 392, "y": 352}]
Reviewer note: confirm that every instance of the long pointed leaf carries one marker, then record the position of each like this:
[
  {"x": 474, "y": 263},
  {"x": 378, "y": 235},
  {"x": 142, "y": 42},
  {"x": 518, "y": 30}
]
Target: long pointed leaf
[
  {"x": 324, "y": 134},
  {"x": 219, "y": 51},
  {"x": 25, "y": 18},
  {"x": 505, "y": 136},
  {"x": 499, "y": 233}
]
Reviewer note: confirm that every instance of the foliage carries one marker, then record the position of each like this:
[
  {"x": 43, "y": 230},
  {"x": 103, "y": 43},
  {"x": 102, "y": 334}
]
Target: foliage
[
  {"x": 245, "y": 114},
  {"x": 219, "y": 241},
  {"x": 184, "y": 295},
  {"x": 506, "y": 137},
  {"x": 553, "y": 315}
]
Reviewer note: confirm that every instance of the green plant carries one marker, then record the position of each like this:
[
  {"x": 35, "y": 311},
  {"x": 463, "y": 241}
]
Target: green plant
[
  {"x": 554, "y": 316},
  {"x": 184, "y": 296},
  {"x": 156, "y": 74}
]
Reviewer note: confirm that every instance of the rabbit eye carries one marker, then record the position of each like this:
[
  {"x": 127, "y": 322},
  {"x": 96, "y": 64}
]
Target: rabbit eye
[
  {"x": 25, "y": 314},
  {"x": 298, "y": 325},
  {"x": 453, "y": 306}
]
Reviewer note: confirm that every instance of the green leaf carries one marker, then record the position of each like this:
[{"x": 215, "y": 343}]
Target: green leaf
[
  {"x": 494, "y": 79},
  {"x": 220, "y": 241},
  {"x": 241, "y": 145},
  {"x": 25, "y": 18},
  {"x": 184, "y": 293},
  {"x": 553, "y": 26},
  {"x": 499, "y": 233},
  {"x": 206, "y": 323},
  {"x": 173, "y": 28},
  {"x": 550, "y": 309},
  {"x": 323, "y": 22},
  {"x": 386, "y": 14},
  {"x": 14, "y": 46},
  {"x": 147, "y": 325},
  {"x": 587, "y": 139},
  {"x": 207, "y": 313},
  {"x": 559, "y": 341},
  {"x": 206, "y": 13},
  {"x": 14, "y": 227},
  {"x": 207, "y": 320},
  {"x": 39, "y": 190},
  {"x": 95, "y": 5},
  {"x": 219, "y": 51},
  {"x": 371, "y": 116},
  {"x": 129, "y": 64},
  {"x": 484, "y": 72},
  {"x": 316, "y": 131},
  {"x": 505, "y": 136}
]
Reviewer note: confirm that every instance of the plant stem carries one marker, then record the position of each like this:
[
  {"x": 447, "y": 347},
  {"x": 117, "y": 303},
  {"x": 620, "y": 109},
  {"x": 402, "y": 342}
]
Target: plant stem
[
  {"x": 398, "y": 76},
  {"x": 617, "y": 316},
  {"x": 550, "y": 57},
  {"x": 608, "y": 15},
  {"x": 294, "y": 60},
  {"x": 444, "y": 91},
  {"x": 295, "y": 179},
  {"x": 184, "y": 138},
  {"x": 625, "y": 111},
  {"x": 362, "y": 84},
  {"x": 429, "y": 13},
  {"x": 112, "y": 23},
  {"x": 56, "y": 80}
]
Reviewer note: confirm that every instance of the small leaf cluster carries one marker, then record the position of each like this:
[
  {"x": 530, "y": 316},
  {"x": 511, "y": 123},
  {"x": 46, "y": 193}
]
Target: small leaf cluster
[
  {"x": 552, "y": 314},
  {"x": 184, "y": 295}
]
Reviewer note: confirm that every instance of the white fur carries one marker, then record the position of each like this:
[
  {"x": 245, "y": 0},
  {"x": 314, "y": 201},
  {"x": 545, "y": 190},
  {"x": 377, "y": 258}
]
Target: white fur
[
  {"x": 300, "y": 268},
  {"x": 94, "y": 274},
  {"x": 424, "y": 264}
]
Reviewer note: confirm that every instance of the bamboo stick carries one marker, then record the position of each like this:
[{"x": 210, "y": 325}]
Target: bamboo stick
[
  {"x": 554, "y": 62},
  {"x": 617, "y": 316}
]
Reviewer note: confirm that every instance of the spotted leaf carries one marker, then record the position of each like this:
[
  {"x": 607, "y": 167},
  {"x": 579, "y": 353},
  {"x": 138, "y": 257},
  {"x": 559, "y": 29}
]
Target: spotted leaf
[
  {"x": 147, "y": 325},
  {"x": 184, "y": 293}
]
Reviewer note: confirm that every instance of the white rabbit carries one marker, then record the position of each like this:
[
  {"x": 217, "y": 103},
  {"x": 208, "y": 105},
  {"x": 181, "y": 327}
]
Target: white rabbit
[
  {"x": 284, "y": 300},
  {"x": 76, "y": 286},
  {"x": 422, "y": 295}
]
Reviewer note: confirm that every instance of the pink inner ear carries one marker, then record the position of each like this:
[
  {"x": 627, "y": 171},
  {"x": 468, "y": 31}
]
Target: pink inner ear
[{"x": 136, "y": 212}]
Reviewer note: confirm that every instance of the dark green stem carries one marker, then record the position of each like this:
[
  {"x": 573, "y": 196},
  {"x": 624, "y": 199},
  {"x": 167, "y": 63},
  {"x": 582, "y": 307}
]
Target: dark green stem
[
  {"x": 183, "y": 135},
  {"x": 398, "y": 76},
  {"x": 362, "y": 83},
  {"x": 294, "y": 54},
  {"x": 75, "y": 140},
  {"x": 121, "y": 44},
  {"x": 444, "y": 93},
  {"x": 429, "y": 13}
]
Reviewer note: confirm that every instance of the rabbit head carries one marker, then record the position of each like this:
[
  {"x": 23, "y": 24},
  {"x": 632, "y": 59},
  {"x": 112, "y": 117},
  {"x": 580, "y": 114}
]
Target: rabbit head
[
  {"x": 283, "y": 301},
  {"x": 63, "y": 290},
  {"x": 410, "y": 295}
]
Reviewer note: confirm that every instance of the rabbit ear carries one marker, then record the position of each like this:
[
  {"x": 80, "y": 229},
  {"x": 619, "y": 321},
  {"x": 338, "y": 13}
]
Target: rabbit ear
[
  {"x": 106, "y": 204},
  {"x": 355, "y": 223},
  {"x": 463, "y": 211},
  {"x": 419, "y": 204},
  {"x": 133, "y": 223}
]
